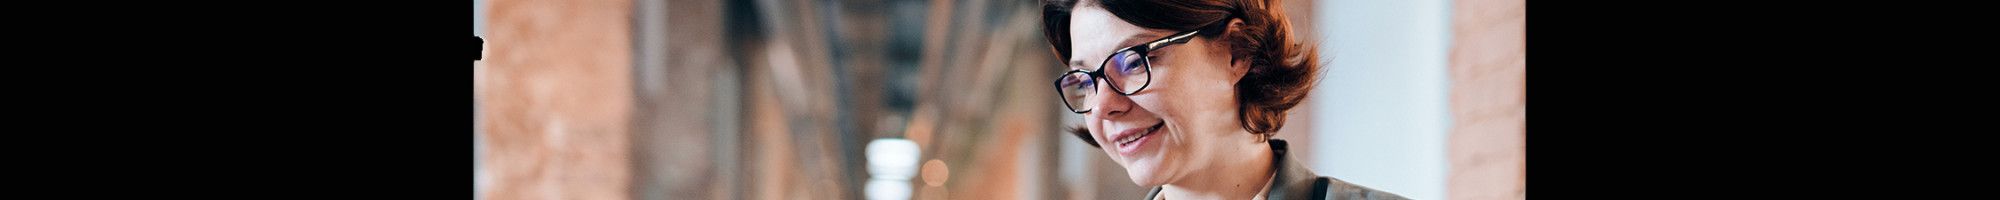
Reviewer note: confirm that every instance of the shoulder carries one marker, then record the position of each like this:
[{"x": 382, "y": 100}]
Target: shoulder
[{"x": 1336, "y": 189}]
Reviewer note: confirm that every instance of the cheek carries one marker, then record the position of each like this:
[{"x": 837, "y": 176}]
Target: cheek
[
  {"x": 1197, "y": 93},
  {"x": 1096, "y": 129},
  {"x": 1196, "y": 83}
]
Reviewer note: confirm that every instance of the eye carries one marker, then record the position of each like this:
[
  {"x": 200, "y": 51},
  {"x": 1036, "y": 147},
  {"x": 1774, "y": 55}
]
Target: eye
[
  {"x": 1079, "y": 82},
  {"x": 1129, "y": 62}
]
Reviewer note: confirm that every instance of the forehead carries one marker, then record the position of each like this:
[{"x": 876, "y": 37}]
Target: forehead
[{"x": 1094, "y": 33}]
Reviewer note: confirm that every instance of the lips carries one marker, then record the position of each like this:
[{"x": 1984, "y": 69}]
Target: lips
[
  {"x": 1129, "y": 142},
  {"x": 1129, "y": 138}
]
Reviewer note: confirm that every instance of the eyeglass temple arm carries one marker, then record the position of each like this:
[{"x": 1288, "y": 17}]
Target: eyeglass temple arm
[{"x": 1176, "y": 39}]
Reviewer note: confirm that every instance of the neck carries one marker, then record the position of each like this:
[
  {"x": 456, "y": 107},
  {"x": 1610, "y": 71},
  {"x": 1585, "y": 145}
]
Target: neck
[{"x": 1239, "y": 171}]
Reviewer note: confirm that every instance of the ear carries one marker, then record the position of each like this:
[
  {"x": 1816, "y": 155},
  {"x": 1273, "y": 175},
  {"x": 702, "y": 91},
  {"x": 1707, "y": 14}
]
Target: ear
[{"x": 1238, "y": 67}]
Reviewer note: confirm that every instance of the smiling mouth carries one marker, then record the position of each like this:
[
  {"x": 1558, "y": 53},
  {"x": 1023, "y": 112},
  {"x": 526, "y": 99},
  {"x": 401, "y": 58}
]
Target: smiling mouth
[{"x": 1128, "y": 140}]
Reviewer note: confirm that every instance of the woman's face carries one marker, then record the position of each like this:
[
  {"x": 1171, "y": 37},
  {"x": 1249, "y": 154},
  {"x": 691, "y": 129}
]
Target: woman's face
[{"x": 1187, "y": 111}]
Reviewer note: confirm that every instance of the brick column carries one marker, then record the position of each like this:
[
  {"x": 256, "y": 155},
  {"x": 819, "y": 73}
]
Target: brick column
[{"x": 555, "y": 95}]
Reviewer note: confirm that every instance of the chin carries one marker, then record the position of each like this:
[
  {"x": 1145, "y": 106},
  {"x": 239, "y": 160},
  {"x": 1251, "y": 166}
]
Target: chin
[
  {"x": 1147, "y": 181},
  {"x": 1147, "y": 174}
]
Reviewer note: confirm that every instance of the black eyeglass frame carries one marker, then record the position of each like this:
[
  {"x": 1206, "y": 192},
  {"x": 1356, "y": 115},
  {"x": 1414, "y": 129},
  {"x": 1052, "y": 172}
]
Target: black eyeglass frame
[{"x": 1146, "y": 65}]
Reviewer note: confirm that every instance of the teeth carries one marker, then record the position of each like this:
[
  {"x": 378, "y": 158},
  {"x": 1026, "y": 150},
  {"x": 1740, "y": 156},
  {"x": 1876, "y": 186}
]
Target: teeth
[{"x": 1130, "y": 139}]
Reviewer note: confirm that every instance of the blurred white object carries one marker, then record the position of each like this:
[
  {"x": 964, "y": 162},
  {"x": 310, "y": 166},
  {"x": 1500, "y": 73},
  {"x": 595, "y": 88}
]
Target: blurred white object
[{"x": 891, "y": 163}]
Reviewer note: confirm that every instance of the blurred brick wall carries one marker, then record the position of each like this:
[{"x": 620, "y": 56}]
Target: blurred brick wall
[
  {"x": 1489, "y": 61},
  {"x": 555, "y": 95}
]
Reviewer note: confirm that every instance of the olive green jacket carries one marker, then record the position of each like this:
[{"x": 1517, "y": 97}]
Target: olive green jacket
[{"x": 1294, "y": 182}]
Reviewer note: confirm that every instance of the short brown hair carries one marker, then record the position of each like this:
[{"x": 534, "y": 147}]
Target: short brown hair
[{"x": 1282, "y": 70}]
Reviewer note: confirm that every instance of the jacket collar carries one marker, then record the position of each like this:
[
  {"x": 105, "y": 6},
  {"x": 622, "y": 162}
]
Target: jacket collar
[{"x": 1293, "y": 181}]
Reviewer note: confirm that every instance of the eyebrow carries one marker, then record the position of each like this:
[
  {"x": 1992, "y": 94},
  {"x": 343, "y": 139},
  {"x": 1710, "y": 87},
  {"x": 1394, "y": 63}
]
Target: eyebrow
[{"x": 1135, "y": 40}]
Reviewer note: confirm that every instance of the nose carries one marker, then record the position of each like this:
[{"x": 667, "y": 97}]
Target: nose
[{"x": 1109, "y": 103}]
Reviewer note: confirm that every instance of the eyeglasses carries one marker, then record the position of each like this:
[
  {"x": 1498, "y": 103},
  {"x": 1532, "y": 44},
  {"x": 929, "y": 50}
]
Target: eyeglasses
[{"x": 1131, "y": 73}]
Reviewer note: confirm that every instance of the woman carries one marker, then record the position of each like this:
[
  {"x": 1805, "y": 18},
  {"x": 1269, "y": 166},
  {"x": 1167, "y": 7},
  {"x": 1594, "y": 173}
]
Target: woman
[{"x": 1185, "y": 94}]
